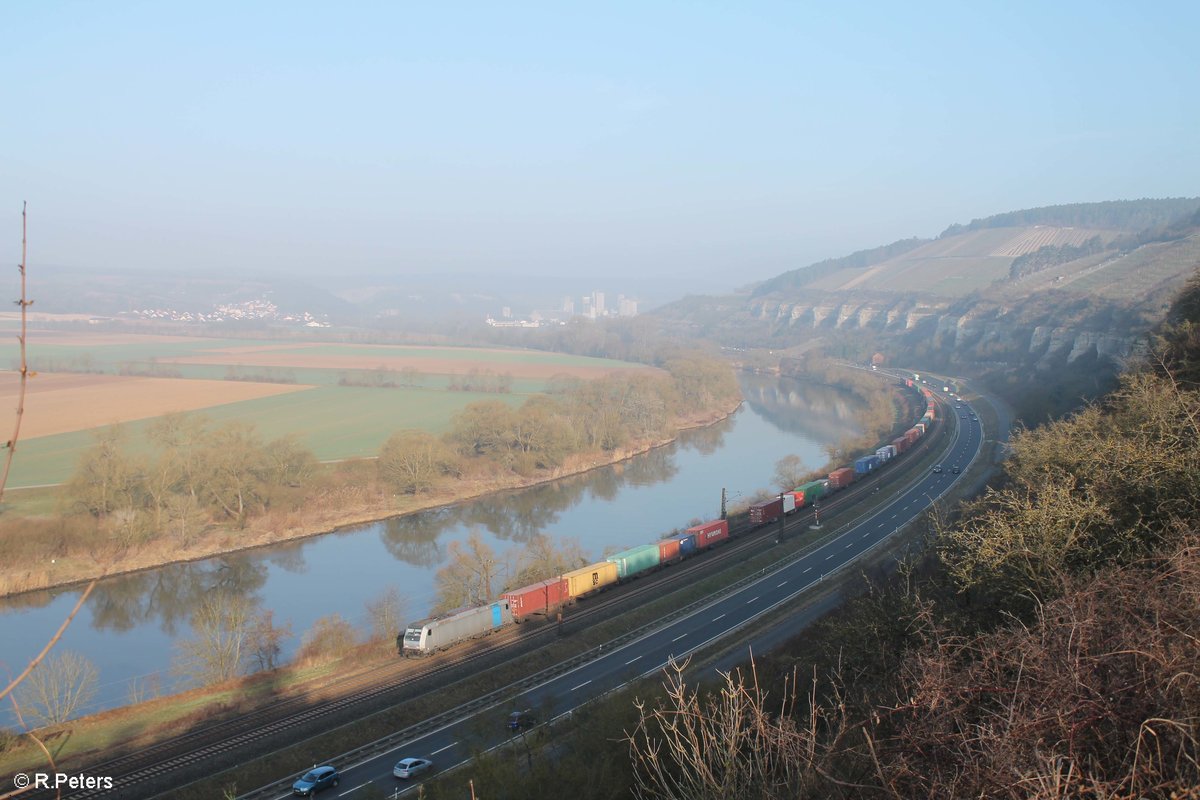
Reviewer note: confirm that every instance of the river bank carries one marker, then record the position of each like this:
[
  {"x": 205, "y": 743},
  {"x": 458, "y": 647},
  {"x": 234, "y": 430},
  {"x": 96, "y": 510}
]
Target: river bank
[{"x": 329, "y": 510}]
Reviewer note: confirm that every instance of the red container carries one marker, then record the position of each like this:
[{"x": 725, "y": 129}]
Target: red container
[
  {"x": 798, "y": 497},
  {"x": 668, "y": 551},
  {"x": 900, "y": 443},
  {"x": 912, "y": 434},
  {"x": 841, "y": 478},
  {"x": 543, "y": 597},
  {"x": 709, "y": 533},
  {"x": 766, "y": 511}
]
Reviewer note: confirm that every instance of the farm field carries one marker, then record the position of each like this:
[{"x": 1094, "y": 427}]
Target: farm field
[
  {"x": 60, "y": 403},
  {"x": 63, "y": 410},
  {"x": 335, "y": 421}
]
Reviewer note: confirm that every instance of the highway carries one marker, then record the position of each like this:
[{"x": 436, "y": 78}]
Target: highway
[{"x": 448, "y": 746}]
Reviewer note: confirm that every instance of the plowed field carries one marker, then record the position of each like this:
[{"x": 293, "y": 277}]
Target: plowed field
[{"x": 57, "y": 403}]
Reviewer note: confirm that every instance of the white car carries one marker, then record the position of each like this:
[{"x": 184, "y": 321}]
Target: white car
[{"x": 412, "y": 767}]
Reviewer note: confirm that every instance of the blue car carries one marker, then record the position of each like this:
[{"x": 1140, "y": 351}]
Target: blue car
[{"x": 315, "y": 780}]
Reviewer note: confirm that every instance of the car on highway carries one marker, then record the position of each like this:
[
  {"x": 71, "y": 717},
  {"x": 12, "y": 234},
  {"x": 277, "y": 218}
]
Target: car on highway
[
  {"x": 521, "y": 720},
  {"x": 937, "y": 467},
  {"x": 315, "y": 780},
  {"x": 412, "y": 767},
  {"x": 956, "y": 470}
]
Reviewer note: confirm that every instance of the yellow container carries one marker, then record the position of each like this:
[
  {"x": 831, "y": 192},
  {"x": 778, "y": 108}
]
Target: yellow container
[{"x": 591, "y": 578}]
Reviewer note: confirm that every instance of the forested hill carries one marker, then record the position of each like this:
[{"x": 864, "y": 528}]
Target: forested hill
[
  {"x": 1119, "y": 215},
  {"x": 863, "y": 258}
]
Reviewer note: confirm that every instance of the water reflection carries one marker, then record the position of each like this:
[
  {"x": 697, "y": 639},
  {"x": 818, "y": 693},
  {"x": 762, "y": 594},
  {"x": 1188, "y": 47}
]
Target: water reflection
[
  {"x": 169, "y": 594},
  {"x": 709, "y": 439},
  {"x": 810, "y": 410},
  {"x": 519, "y": 516}
]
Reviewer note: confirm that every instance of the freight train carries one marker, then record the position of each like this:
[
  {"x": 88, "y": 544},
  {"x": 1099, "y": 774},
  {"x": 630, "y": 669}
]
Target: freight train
[{"x": 549, "y": 596}]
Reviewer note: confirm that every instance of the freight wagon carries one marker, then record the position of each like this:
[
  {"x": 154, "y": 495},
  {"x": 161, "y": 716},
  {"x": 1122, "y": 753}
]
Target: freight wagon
[
  {"x": 543, "y": 597},
  {"x": 635, "y": 560},
  {"x": 592, "y": 578},
  {"x": 768, "y": 510},
  {"x": 437, "y": 633},
  {"x": 841, "y": 478},
  {"x": 709, "y": 533},
  {"x": 814, "y": 491},
  {"x": 866, "y": 464},
  {"x": 886, "y": 453},
  {"x": 669, "y": 551},
  {"x": 900, "y": 443}
]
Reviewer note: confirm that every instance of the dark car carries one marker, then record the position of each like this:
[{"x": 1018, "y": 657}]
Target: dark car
[
  {"x": 315, "y": 780},
  {"x": 521, "y": 720},
  {"x": 956, "y": 470}
]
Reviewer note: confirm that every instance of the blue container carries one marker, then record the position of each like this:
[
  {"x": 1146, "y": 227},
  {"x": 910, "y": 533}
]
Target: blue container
[{"x": 866, "y": 464}]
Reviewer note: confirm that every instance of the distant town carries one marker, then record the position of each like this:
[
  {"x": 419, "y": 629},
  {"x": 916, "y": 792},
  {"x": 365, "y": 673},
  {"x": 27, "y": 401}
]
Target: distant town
[
  {"x": 591, "y": 306},
  {"x": 231, "y": 312}
]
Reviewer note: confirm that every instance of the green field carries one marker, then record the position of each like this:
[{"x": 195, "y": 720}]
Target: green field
[{"x": 334, "y": 421}]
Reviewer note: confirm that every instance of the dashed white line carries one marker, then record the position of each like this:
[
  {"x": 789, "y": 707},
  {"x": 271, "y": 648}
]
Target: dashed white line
[
  {"x": 829, "y": 556},
  {"x": 717, "y": 618},
  {"x": 580, "y": 686},
  {"x": 676, "y": 639},
  {"x": 848, "y": 545},
  {"x": 780, "y": 584},
  {"x": 355, "y": 789},
  {"x": 751, "y": 600},
  {"x": 447, "y": 747},
  {"x": 630, "y": 661},
  {"x": 806, "y": 569}
]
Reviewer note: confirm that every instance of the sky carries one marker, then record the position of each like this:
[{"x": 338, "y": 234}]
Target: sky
[{"x": 714, "y": 142}]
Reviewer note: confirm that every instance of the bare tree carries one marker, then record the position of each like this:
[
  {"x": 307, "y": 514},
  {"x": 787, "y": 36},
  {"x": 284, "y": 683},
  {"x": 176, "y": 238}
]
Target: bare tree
[
  {"x": 328, "y": 638},
  {"x": 218, "y": 645},
  {"x": 386, "y": 615},
  {"x": 471, "y": 575},
  {"x": 265, "y": 641},
  {"x": 59, "y": 687},
  {"x": 789, "y": 472}
]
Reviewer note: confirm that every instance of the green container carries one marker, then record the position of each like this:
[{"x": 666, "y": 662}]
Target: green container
[
  {"x": 638, "y": 559},
  {"x": 813, "y": 490}
]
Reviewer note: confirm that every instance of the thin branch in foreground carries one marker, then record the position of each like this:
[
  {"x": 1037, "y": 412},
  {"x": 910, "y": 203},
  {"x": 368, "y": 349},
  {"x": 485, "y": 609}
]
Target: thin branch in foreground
[{"x": 24, "y": 303}]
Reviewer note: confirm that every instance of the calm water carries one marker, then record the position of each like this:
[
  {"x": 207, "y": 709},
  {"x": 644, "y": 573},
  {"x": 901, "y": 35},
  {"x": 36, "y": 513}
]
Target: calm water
[{"x": 129, "y": 625}]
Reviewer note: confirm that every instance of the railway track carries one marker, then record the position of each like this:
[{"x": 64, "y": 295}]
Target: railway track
[{"x": 224, "y": 743}]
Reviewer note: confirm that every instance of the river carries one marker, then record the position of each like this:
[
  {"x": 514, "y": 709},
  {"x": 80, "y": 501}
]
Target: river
[{"x": 131, "y": 624}]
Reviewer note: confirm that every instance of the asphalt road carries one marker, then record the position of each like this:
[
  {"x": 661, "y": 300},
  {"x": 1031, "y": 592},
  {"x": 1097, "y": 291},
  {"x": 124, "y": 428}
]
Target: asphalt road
[{"x": 452, "y": 744}]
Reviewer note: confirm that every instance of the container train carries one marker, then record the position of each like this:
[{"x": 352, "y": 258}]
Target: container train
[{"x": 549, "y": 596}]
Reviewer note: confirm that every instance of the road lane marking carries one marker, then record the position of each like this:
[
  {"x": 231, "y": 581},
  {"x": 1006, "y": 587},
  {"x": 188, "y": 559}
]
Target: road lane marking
[
  {"x": 778, "y": 585},
  {"x": 751, "y": 600},
  {"x": 714, "y": 620},
  {"x": 677, "y": 638},
  {"x": 355, "y": 789},
  {"x": 447, "y": 747},
  {"x": 630, "y": 661},
  {"x": 831, "y": 555},
  {"x": 806, "y": 569},
  {"x": 580, "y": 686},
  {"x": 848, "y": 545}
]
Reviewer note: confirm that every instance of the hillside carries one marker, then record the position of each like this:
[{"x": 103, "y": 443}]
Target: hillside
[{"x": 1006, "y": 302}]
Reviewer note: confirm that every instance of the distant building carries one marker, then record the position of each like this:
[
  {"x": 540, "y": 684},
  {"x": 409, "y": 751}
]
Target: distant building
[
  {"x": 598, "y": 303},
  {"x": 568, "y": 305},
  {"x": 626, "y": 306}
]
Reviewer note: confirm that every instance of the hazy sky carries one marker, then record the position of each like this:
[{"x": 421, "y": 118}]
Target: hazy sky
[{"x": 737, "y": 139}]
